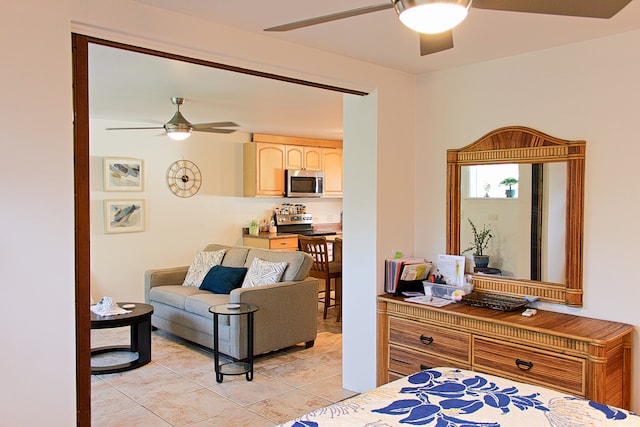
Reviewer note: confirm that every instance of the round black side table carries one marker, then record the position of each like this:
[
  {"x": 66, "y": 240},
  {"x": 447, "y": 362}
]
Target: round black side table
[
  {"x": 239, "y": 367},
  {"x": 139, "y": 320}
]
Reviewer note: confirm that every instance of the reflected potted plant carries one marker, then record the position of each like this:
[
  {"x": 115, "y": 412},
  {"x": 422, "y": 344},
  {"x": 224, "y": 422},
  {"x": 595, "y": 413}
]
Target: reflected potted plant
[
  {"x": 509, "y": 182},
  {"x": 479, "y": 244}
]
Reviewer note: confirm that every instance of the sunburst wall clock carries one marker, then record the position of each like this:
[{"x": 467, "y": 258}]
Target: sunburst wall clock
[{"x": 184, "y": 178}]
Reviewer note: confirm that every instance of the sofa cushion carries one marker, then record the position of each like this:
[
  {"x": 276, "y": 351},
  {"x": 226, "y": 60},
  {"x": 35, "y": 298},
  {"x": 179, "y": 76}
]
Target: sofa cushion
[
  {"x": 199, "y": 304},
  {"x": 263, "y": 272},
  {"x": 201, "y": 265},
  {"x": 235, "y": 256},
  {"x": 299, "y": 263},
  {"x": 173, "y": 295},
  {"x": 222, "y": 280}
]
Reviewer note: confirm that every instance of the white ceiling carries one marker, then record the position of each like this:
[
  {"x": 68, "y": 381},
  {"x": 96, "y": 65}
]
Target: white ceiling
[
  {"x": 136, "y": 88},
  {"x": 380, "y": 38}
]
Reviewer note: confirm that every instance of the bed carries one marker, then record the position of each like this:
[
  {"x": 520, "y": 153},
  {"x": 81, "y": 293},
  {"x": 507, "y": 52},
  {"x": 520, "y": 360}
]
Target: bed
[{"x": 459, "y": 398}]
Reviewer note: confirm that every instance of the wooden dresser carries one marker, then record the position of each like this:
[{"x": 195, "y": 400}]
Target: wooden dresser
[{"x": 585, "y": 357}]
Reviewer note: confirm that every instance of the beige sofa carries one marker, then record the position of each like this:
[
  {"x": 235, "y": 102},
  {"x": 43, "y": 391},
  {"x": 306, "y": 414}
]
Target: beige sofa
[{"x": 287, "y": 315}]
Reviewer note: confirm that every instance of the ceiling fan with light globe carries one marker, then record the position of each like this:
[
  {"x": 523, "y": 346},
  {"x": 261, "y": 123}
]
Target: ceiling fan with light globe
[
  {"x": 179, "y": 128},
  {"x": 434, "y": 19}
]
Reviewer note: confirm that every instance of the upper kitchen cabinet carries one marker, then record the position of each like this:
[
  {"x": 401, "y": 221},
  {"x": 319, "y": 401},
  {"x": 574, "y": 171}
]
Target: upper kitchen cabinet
[
  {"x": 301, "y": 157},
  {"x": 263, "y": 169},
  {"x": 332, "y": 166},
  {"x": 267, "y": 156}
]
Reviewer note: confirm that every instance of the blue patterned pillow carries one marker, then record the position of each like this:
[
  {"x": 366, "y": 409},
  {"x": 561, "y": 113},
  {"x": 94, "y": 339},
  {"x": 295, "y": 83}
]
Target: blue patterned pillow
[
  {"x": 263, "y": 272},
  {"x": 222, "y": 280}
]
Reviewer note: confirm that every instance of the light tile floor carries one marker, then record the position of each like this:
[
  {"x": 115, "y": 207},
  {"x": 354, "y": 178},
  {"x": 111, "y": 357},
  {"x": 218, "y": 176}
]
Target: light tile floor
[{"x": 178, "y": 387}]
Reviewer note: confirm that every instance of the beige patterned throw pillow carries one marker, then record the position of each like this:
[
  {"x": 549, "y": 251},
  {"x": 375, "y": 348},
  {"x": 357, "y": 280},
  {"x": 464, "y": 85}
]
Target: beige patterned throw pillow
[
  {"x": 201, "y": 265},
  {"x": 263, "y": 272}
]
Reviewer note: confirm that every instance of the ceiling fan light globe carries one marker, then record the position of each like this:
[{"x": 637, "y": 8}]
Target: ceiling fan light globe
[
  {"x": 178, "y": 134},
  {"x": 431, "y": 17}
]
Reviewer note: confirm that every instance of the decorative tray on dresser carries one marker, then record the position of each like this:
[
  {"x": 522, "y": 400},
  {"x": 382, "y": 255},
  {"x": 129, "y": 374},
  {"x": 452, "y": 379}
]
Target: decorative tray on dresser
[{"x": 585, "y": 357}]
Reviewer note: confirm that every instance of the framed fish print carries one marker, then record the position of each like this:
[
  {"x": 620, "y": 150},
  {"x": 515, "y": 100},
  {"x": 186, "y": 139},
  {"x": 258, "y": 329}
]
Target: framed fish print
[
  {"x": 123, "y": 174},
  {"x": 124, "y": 216}
]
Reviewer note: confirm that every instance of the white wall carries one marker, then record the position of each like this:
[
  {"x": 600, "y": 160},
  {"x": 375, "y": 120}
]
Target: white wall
[
  {"x": 37, "y": 361},
  {"x": 587, "y": 91},
  {"x": 360, "y": 219},
  {"x": 38, "y": 242},
  {"x": 176, "y": 228}
]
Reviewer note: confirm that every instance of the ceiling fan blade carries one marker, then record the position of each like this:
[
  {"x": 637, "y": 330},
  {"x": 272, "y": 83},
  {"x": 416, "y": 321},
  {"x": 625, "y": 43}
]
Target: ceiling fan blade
[
  {"x": 432, "y": 43},
  {"x": 331, "y": 17},
  {"x": 214, "y": 130},
  {"x": 201, "y": 126},
  {"x": 155, "y": 127},
  {"x": 584, "y": 8}
]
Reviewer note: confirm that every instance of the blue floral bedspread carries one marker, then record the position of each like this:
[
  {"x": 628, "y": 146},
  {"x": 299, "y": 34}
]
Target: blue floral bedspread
[{"x": 447, "y": 397}]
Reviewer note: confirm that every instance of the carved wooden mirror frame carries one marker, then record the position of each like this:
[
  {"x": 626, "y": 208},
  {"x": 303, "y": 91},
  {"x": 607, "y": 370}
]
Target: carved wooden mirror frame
[{"x": 518, "y": 144}]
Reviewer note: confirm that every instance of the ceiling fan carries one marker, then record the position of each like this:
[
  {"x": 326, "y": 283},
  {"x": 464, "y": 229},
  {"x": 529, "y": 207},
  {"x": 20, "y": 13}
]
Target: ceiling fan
[
  {"x": 179, "y": 128},
  {"x": 434, "y": 19}
]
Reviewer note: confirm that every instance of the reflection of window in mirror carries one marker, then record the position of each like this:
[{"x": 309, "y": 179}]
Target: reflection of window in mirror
[{"x": 485, "y": 180}]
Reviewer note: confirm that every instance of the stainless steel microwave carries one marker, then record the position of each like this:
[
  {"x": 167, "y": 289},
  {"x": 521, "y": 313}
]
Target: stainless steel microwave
[{"x": 303, "y": 183}]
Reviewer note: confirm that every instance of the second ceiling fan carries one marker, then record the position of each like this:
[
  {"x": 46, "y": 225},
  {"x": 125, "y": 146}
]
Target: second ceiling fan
[{"x": 414, "y": 13}]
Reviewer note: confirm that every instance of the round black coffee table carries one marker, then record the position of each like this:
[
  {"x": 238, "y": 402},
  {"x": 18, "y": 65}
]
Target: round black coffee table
[{"x": 139, "y": 320}]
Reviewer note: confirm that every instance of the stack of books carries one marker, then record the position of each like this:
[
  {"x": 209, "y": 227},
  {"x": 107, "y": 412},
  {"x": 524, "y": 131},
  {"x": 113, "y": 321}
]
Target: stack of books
[{"x": 399, "y": 270}]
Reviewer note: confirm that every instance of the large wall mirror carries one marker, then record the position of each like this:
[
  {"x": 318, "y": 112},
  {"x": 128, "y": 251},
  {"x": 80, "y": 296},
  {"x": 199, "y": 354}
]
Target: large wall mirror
[{"x": 536, "y": 249}]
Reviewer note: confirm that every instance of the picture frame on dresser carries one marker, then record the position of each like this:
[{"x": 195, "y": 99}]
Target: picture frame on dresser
[{"x": 123, "y": 174}]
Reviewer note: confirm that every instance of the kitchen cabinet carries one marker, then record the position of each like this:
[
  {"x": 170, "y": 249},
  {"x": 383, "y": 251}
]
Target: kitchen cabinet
[
  {"x": 332, "y": 167},
  {"x": 264, "y": 169},
  {"x": 267, "y": 156},
  {"x": 289, "y": 243},
  {"x": 585, "y": 357},
  {"x": 301, "y": 157}
]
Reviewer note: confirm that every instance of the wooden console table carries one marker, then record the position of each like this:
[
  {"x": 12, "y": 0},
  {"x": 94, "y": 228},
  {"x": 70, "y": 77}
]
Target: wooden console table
[{"x": 585, "y": 357}]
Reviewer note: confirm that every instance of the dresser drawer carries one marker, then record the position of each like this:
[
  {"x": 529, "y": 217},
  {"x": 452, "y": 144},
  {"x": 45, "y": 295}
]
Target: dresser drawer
[
  {"x": 289, "y": 244},
  {"x": 431, "y": 339},
  {"x": 526, "y": 364},
  {"x": 394, "y": 376},
  {"x": 406, "y": 361}
]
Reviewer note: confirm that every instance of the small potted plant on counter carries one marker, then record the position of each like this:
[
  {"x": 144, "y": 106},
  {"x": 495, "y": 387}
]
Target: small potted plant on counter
[
  {"x": 254, "y": 228},
  {"x": 509, "y": 182},
  {"x": 479, "y": 244}
]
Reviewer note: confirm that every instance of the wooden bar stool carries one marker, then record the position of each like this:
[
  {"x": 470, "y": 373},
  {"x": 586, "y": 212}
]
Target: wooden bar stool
[
  {"x": 324, "y": 269},
  {"x": 337, "y": 260}
]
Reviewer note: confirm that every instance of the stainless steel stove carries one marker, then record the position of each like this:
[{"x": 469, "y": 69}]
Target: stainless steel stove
[{"x": 299, "y": 224}]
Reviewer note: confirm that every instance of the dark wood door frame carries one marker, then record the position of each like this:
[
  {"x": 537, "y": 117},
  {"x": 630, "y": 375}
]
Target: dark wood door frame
[
  {"x": 537, "y": 209},
  {"x": 80, "y": 57},
  {"x": 80, "y": 48}
]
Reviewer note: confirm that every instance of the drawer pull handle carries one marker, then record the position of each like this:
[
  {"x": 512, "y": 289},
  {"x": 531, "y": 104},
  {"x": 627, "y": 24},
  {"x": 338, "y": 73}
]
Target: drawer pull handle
[
  {"x": 426, "y": 340},
  {"x": 424, "y": 367},
  {"x": 524, "y": 365}
]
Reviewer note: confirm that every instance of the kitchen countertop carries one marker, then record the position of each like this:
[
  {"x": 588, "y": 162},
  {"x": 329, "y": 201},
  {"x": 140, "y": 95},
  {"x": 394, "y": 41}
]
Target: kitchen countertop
[
  {"x": 267, "y": 235},
  {"x": 318, "y": 228}
]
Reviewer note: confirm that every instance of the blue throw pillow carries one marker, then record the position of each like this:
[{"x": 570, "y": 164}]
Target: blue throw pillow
[{"x": 222, "y": 280}]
